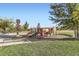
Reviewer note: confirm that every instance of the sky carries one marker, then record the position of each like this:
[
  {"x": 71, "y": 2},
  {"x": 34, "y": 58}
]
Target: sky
[{"x": 33, "y": 13}]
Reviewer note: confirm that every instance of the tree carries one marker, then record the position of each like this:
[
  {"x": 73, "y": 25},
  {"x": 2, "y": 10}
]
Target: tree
[
  {"x": 66, "y": 16},
  {"x": 74, "y": 18},
  {"x": 25, "y": 26},
  {"x": 58, "y": 13},
  {"x": 18, "y": 26},
  {"x": 6, "y": 24}
]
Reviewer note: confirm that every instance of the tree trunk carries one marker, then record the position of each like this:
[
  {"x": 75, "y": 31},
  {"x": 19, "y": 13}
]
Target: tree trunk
[{"x": 77, "y": 32}]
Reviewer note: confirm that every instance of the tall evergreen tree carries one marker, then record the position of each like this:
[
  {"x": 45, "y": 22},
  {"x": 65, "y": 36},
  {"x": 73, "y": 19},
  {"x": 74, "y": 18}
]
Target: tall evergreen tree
[
  {"x": 66, "y": 16},
  {"x": 25, "y": 26}
]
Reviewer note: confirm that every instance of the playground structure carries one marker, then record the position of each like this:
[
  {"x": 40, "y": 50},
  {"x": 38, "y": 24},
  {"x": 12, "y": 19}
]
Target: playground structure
[
  {"x": 41, "y": 32},
  {"x": 44, "y": 32}
]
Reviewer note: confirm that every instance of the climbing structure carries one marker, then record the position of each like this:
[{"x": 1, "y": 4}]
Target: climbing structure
[{"x": 40, "y": 32}]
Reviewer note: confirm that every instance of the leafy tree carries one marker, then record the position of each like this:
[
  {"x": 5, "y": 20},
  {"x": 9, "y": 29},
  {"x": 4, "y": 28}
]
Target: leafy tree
[
  {"x": 66, "y": 16},
  {"x": 6, "y": 24}
]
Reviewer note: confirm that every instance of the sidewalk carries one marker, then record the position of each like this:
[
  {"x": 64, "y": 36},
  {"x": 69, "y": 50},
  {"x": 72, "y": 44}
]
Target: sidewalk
[{"x": 13, "y": 43}]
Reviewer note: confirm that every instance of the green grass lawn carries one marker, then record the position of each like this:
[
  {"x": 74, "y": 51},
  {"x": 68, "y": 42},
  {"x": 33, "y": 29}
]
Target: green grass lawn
[
  {"x": 43, "y": 48},
  {"x": 66, "y": 32}
]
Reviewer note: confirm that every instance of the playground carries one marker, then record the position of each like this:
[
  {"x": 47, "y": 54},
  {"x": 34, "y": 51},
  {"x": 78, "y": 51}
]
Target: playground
[
  {"x": 31, "y": 33},
  {"x": 38, "y": 41},
  {"x": 48, "y": 32}
]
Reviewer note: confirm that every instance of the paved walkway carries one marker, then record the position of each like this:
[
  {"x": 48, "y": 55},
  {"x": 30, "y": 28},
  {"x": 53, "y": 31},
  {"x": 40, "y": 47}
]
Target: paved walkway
[{"x": 13, "y": 43}]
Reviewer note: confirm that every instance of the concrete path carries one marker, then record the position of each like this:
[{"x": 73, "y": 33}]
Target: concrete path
[{"x": 13, "y": 43}]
